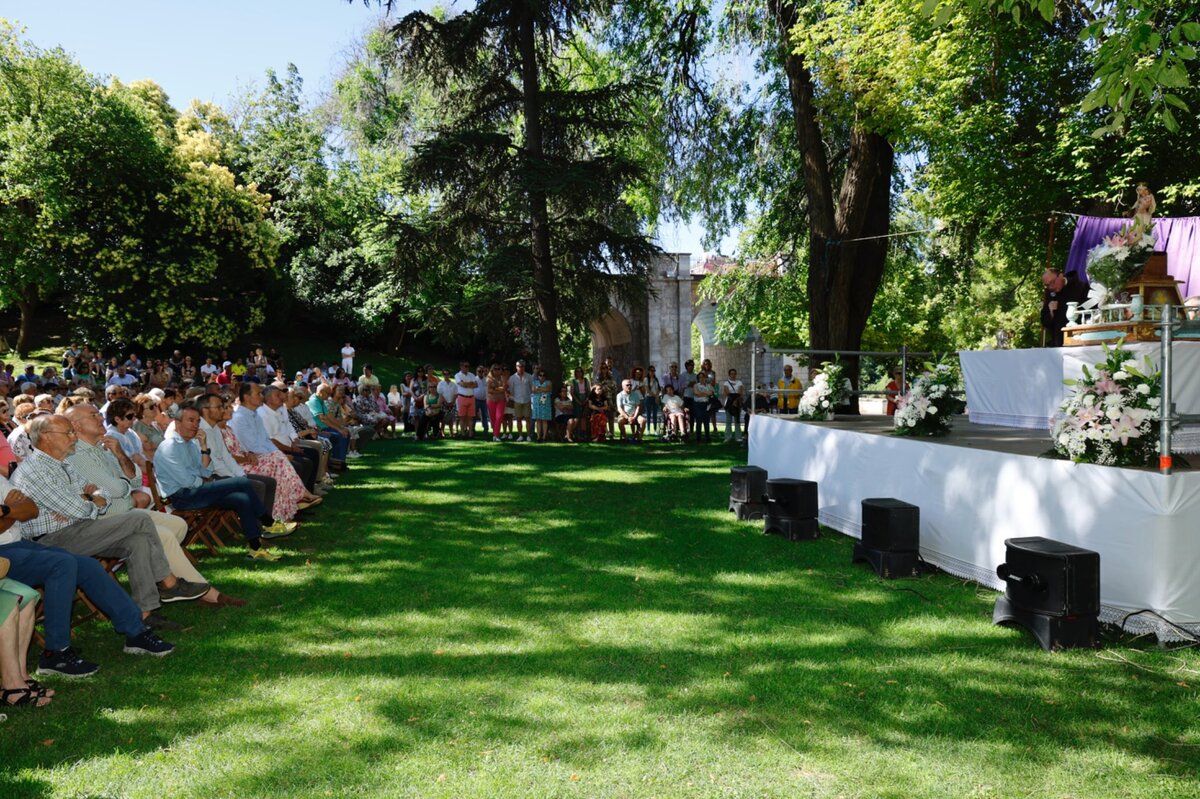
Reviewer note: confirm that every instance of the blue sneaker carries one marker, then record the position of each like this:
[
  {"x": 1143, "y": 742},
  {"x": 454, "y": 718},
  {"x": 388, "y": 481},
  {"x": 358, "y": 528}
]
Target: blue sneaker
[
  {"x": 147, "y": 643},
  {"x": 65, "y": 663}
]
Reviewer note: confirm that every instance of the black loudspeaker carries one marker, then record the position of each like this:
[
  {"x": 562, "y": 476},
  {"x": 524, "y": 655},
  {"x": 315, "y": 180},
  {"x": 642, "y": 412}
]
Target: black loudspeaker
[
  {"x": 747, "y": 484},
  {"x": 790, "y": 528},
  {"x": 890, "y": 525},
  {"x": 792, "y": 499},
  {"x": 1051, "y": 577},
  {"x": 1052, "y": 590}
]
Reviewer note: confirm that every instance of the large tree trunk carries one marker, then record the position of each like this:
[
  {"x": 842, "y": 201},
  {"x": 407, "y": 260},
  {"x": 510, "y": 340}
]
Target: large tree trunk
[
  {"x": 25, "y": 333},
  {"x": 549, "y": 353},
  {"x": 844, "y": 272}
]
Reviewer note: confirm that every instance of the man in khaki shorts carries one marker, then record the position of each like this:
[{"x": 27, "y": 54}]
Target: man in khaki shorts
[{"x": 520, "y": 388}]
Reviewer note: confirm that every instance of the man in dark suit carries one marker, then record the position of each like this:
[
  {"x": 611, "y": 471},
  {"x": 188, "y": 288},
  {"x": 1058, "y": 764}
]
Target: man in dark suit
[{"x": 1060, "y": 290}]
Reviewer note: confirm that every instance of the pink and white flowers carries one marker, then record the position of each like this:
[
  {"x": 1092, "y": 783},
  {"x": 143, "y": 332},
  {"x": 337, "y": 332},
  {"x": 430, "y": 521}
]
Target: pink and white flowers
[
  {"x": 1110, "y": 417},
  {"x": 1114, "y": 262},
  {"x": 828, "y": 389},
  {"x": 931, "y": 403}
]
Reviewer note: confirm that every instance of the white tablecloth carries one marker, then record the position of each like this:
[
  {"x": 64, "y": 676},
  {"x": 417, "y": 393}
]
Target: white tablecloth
[{"x": 1024, "y": 388}]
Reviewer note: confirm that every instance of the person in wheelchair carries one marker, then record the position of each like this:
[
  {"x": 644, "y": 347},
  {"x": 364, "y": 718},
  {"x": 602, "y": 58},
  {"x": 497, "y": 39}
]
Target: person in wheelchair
[{"x": 674, "y": 414}]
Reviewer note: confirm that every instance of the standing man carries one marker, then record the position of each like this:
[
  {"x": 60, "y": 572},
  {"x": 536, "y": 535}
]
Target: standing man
[
  {"x": 520, "y": 388},
  {"x": 688, "y": 380},
  {"x": 348, "y": 358},
  {"x": 789, "y": 391},
  {"x": 467, "y": 382},
  {"x": 1060, "y": 290},
  {"x": 481, "y": 397}
]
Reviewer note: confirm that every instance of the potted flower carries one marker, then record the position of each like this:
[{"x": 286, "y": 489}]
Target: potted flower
[{"x": 934, "y": 399}]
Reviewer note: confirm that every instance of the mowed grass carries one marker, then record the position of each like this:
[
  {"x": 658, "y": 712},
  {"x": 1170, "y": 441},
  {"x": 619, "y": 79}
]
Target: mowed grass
[{"x": 478, "y": 620}]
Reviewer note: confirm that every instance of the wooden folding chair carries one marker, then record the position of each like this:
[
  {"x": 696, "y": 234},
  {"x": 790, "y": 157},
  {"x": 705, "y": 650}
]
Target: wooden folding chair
[{"x": 205, "y": 525}]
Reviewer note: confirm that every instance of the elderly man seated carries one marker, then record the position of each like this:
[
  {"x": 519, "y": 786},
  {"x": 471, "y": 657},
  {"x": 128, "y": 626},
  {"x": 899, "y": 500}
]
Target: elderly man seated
[
  {"x": 629, "y": 410},
  {"x": 247, "y": 425},
  {"x": 307, "y": 435},
  {"x": 59, "y": 573},
  {"x": 99, "y": 460},
  {"x": 214, "y": 419},
  {"x": 183, "y": 469},
  {"x": 73, "y": 515},
  {"x": 274, "y": 415}
]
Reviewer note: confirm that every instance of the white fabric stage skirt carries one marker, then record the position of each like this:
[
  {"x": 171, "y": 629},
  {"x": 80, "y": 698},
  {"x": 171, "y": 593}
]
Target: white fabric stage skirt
[{"x": 1146, "y": 526}]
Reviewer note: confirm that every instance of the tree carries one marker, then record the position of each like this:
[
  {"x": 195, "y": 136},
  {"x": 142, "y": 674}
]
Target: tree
[
  {"x": 79, "y": 166},
  {"x": 525, "y": 161}
]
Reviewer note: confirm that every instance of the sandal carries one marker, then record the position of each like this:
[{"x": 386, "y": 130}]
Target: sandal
[
  {"x": 27, "y": 697},
  {"x": 39, "y": 689}
]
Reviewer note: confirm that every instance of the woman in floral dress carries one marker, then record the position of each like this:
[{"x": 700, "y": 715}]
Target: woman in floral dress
[{"x": 289, "y": 491}]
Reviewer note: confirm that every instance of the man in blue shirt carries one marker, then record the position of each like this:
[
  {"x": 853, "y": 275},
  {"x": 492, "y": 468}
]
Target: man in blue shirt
[{"x": 183, "y": 470}]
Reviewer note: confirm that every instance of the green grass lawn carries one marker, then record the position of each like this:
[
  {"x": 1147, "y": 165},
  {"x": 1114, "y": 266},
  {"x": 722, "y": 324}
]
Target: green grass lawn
[{"x": 479, "y": 620}]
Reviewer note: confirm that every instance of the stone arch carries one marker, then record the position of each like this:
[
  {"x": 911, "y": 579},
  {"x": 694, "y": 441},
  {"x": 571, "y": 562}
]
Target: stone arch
[{"x": 612, "y": 335}]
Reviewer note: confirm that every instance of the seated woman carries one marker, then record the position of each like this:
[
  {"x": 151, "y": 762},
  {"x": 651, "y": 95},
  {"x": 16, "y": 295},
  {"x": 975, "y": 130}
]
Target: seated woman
[
  {"x": 564, "y": 413},
  {"x": 119, "y": 417},
  {"x": 151, "y": 423},
  {"x": 597, "y": 406},
  {"x": 17, "y": 608},
  {"x": 673, "y": 412}
]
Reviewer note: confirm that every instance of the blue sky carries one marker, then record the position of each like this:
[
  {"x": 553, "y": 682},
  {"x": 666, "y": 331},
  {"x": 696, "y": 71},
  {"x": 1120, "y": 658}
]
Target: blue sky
[{"x": 208, "y": 49}]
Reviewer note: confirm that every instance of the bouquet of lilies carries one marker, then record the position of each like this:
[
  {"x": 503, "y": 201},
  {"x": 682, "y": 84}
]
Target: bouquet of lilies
[
  {"x": 1114, "y": 262},
  {"x": 828, "y": 389},
  {"x": 935, "y": 397},
  {"x": 1109, "y": 419}
]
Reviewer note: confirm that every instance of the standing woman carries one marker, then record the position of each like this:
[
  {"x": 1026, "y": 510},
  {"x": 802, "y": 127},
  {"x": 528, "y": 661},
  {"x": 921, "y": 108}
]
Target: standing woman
[
  {"x": 497, "y": 394},
  {"x": 651, "y": 391},
  {"x": 704, "y": 391},
  {"x": 542, "y": 410},
  {"x": 598, "y": 407}
]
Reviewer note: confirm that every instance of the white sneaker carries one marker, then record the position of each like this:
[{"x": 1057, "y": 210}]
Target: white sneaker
[
  {"x": 495, "y": 440},
  {"x": 522, "y": 438},
  {"x": 354, "y": 454}
]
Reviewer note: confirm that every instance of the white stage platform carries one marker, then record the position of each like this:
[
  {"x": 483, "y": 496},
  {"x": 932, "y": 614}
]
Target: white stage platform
[
  {"x": 976, "y": 490},
  {"x": 1024, "y": 388}
]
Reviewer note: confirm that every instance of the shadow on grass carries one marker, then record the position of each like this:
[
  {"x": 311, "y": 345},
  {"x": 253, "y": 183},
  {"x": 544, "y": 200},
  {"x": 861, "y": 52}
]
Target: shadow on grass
[{"x": 585, "y": 600}]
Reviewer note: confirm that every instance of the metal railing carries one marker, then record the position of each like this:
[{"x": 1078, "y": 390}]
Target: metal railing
[{"x": 904, "y": 353}]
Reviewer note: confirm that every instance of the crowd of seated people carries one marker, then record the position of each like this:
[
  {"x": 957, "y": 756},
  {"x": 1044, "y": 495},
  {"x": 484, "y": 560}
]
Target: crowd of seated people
[{"x": 94, "y": 458}]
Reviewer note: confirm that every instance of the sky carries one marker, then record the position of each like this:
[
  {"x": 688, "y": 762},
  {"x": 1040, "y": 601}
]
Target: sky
[{"x": 210, "y": 49}]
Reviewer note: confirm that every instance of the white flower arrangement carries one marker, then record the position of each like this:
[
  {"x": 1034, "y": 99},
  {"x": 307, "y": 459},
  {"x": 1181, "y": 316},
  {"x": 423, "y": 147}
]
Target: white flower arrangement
[
  {"x": 931, "y": 403},
  {"x": 828, "y": 389},
  {"x": 1110, "y": 417}
]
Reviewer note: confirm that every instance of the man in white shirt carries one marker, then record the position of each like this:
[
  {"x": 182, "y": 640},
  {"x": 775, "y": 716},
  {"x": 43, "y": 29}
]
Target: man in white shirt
[
  {"x": 629, "y": 410},
  {"x": 209, "y": 370},
  {"x": 274, "y": 415},
  {"x": 448, "y": 390},
  {"x": 213, "y": 408},
  {"x": 467, "y": 384},
  {"x": 520, "y": 388},
  {"x": 481, "y": 397},
  {"x": 348, "y": 358}
]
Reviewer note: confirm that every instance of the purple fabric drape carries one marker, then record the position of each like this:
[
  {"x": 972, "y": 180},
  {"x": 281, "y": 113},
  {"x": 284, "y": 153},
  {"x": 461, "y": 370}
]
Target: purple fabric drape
[{"x": 1178, "y": 236}]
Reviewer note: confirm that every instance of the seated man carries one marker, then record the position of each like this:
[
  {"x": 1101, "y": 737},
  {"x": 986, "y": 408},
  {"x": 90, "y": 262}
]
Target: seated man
[
  {"x": 629, "y": 410},
  {"x": 329, "y": 426},
  {"x": 73, "y": 515},
  {"x": 183, "y": 468},
  {"x": 99, "y": 460},
  {"x": 214, "y": 417},
  {"x": 274, "y": 416},
  {"x": 307, "y": 435},
  {"x": 290, "y": 494},
  {"x": 60, "y": 573}
]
